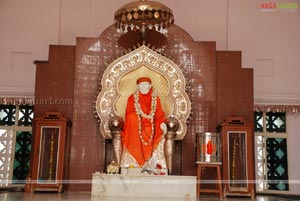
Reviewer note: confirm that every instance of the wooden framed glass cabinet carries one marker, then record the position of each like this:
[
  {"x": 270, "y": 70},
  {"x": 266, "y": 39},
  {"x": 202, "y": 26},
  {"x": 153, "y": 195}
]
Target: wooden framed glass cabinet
[
  {"x": 238, "y": 157},
  {"x": 50, "y": 153}
]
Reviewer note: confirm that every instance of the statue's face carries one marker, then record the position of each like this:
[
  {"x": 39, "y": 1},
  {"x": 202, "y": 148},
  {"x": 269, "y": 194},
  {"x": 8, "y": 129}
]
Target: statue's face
[{"x": 144, "y": 87}]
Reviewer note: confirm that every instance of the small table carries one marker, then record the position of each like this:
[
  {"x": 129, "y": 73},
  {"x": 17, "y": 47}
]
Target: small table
[{"x": 216, "y": 165}]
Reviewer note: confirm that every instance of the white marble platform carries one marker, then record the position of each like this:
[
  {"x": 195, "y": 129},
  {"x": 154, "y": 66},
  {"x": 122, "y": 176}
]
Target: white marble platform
[{"x": 143, "y": 185}]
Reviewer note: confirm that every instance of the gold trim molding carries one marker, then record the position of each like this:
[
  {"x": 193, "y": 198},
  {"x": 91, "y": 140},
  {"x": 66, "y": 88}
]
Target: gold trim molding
[
  {"x": 148, "y": 60},
  {"x": 277, "y": 108}
]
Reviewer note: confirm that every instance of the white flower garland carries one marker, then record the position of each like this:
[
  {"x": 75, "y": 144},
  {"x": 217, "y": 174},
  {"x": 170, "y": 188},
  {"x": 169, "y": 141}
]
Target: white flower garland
[{"x": 150, "y": 116}]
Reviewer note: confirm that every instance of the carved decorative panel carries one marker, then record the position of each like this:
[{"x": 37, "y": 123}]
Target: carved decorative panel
[
  {"x": 6, "y": 147},
  {"x": 167, "y": 78}
]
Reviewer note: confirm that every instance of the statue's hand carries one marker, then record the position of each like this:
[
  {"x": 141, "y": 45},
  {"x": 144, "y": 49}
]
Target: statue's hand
[{"x": 163, "y": 127}]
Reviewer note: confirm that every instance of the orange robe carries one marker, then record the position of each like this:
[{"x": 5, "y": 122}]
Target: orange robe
[{"x": 130, "y": 135}]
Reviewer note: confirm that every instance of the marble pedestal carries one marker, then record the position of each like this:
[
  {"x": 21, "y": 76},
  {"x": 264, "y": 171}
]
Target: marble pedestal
[{"x": 143, "y": 185}]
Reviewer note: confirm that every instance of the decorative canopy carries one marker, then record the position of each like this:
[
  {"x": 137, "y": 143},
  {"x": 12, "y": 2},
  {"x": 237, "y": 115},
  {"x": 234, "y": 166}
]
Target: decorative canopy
[{"x": 143, "y": 15}]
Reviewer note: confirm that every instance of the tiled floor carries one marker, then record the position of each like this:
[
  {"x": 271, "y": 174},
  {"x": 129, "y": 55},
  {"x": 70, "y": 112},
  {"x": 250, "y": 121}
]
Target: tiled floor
[{"x": 86, "y": 196}]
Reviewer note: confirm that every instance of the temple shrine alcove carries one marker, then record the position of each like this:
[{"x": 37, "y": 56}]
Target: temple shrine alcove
[
  {"x": 118, "y": 83},
  {"x": 216, "y": 84}
]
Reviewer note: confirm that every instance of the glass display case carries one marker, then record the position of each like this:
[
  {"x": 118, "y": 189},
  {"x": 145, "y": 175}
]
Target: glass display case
[
  {"x": 208, "y": 147},
  {"x": 209, "y": 162},
  {"x": 238, "y": 157},
  {"x": 50, "y": 152},
  {"x": 237, "y": 163},
  {"x": 47, "y": 172}
]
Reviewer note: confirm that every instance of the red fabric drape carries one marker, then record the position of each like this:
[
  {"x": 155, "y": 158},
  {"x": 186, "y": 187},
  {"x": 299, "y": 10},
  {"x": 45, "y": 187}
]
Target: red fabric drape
[{"x": 130, "y": 135}]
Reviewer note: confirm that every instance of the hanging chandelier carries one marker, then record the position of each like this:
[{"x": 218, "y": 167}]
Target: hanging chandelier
[{"x": 143, "y": 15}]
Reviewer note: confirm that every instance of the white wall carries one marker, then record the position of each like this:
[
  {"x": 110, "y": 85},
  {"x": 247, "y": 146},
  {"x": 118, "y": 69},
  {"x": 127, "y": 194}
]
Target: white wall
[
  {"x": 293, "y": 132},
  {"x": 271, "y": 45},
  {"x": 269, "y": 42},
  {"x": 27, "y": 28}
]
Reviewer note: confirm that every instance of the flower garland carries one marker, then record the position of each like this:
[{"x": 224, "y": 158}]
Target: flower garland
[{"x": 141, "y": 114}]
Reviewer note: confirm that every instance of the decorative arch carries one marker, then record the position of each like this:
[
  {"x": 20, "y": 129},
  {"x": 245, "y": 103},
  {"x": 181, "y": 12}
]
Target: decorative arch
[{"x": 118, "y": 82}]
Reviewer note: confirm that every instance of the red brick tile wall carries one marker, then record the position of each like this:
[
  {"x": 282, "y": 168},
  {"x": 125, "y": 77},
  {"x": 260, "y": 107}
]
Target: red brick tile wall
[{"x": 217, "y": 85}]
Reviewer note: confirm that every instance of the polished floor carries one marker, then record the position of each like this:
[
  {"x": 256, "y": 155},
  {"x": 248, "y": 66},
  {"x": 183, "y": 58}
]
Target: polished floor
[{"x": 86, "y": 196}]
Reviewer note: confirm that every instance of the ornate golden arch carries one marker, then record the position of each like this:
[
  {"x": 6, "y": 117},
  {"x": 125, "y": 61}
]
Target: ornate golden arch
[{"x": 119, "y": 81}]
